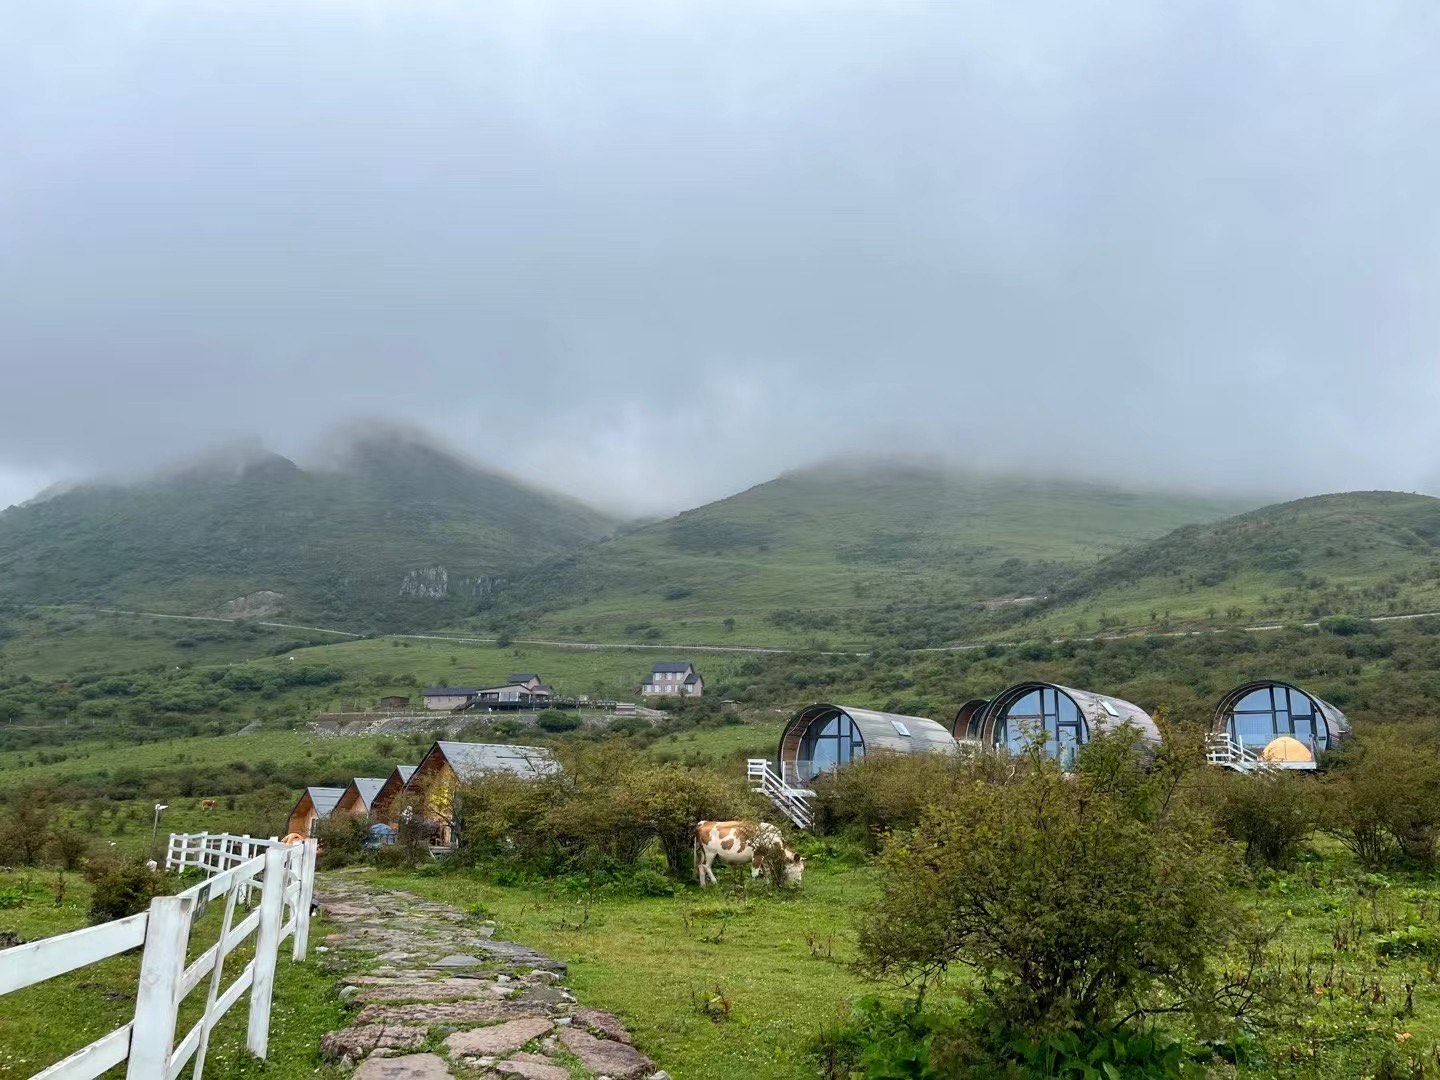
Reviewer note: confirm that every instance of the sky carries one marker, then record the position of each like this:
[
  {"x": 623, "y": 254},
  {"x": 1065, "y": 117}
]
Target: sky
[{"x": 649, "y": 253}]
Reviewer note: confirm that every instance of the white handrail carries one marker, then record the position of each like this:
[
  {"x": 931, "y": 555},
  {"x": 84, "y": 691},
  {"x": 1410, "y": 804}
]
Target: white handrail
[
  {"x": 236, "y": 867},
  {"x": 789, "y": 800}
]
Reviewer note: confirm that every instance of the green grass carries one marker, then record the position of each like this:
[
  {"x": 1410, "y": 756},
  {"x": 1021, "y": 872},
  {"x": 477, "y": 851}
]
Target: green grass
[
  {"x": 646, "y": 959},
  {"x": 336, "y": 543},
  {"x": 829, "y": 553},
  {"x": 781, "y": 961},
  {"x": 1361, "y": 553},
  {"x": 59, "y": 643},
  {"x": 41, "y": 1024}
]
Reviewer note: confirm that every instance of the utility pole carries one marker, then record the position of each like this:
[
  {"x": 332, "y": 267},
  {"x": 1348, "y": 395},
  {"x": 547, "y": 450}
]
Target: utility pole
[{"x": 155, "y": 827}]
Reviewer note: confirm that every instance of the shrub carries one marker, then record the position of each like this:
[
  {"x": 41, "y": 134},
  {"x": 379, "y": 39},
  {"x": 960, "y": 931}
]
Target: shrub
[
  {"x": 557, "y": 722},
  {"x": 908, "y": 1040},
  {"x": 1035, "y": 885},
  {"x": 1271, "y": 814},
  {"x": 342, "y": 840},
  {"x": 1383, "y": 798},
  {"x": 883, "y": 791},
  {"x": 604, "y": 809},
  {"x": 24, "y": 833},
  {"x": 68, "y": 847},
  {"x": 123, "y": 887}
]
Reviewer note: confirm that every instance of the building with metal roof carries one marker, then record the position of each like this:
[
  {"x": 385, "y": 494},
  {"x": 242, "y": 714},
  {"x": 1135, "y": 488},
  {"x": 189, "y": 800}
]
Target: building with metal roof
[
  {"x": 447, "y": 765},
  {"x": 823, "y": 737},
  {"x": 1067, "y": 718},
  {"x": 315, "y": 804},
  {"x": 358, "y": 796},
  {"x": 385, "y": 807},
  {"x": 1268, "y": 723}
]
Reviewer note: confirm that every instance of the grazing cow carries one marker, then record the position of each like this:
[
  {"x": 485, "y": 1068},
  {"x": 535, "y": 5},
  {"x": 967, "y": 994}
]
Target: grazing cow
[
  {"x": 207, "y": 804},
  {"x": 735, "y": 843}
]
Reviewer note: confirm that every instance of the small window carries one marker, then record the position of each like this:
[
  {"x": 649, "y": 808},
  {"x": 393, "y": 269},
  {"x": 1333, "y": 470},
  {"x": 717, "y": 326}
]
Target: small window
[
  {"x": 900, "y": 729},
  {"x": 1108, "y": 707}
]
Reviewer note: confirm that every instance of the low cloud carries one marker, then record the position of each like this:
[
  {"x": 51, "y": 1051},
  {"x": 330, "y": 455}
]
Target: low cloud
[{"x": 651, "y": 253}]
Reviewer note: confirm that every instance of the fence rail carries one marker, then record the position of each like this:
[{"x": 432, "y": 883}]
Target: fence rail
[{"x": 237, "y": 868}]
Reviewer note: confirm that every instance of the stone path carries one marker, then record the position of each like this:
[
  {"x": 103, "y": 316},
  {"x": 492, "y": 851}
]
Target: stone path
[{"x": 438, "y": 998}]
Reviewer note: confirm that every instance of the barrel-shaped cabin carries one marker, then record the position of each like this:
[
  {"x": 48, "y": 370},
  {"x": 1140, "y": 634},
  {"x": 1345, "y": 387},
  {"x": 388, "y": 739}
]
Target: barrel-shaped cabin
[
  {"x": 1277, "y": 723},
  {"x": 1067, "y": 718},
  {"x": 824, "y": 737},
  {"x": 969, "y": 717}
]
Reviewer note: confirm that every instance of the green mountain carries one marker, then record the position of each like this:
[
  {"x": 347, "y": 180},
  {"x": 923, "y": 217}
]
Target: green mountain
[
  {"x": 395, "y": 534},
  {"x": 844, "y": 554},
  {"x": 1359, "y": 553}
]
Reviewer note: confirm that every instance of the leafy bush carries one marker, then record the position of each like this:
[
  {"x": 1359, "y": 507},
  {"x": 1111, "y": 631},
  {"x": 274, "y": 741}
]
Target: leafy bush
[
  {"x": 1409, "y": 941},
  {"x": 68, "y": 847},
  {"x": 342, "y": 840},
  {"x": 122, "y": 887},
  {"x": 1271, "y": 814},
  {"x": 911, "y": 1041},
  {"x": 604, "y": 808},
  {"x": 1035, "y": 885},
  {"x": 24, "y": 832},
  {"x": 557, "y": 722},
  {"x": 882, "y": 791},
  {"x": 1383, "y": 799}
]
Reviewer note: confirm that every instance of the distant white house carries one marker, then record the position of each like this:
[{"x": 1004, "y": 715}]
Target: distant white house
[
  {"x": 448, "y": 697},
  {"x": 673, "y": 677}
]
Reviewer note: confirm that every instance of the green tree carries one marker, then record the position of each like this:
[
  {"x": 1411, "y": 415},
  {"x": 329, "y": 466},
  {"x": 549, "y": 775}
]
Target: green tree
[{"x": 1037, "y": 885}]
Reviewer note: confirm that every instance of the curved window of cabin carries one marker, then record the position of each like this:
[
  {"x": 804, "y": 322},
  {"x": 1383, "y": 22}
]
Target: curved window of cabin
[{"x": 829, "y": 744}]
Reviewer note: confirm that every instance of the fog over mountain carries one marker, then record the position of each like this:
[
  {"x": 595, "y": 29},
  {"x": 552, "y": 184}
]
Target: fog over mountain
[{"x": 650, "y": 253}]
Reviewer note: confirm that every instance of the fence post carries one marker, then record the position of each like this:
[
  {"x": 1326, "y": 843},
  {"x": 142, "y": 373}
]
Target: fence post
[
  {"x": 267, "y": 949},
  {"x": 152, "y": 1037},
  {"x": 307, "y": 894}
]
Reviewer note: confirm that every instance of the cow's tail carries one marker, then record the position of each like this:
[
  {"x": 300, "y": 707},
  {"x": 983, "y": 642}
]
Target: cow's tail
[{"x": 695, "y": 849}]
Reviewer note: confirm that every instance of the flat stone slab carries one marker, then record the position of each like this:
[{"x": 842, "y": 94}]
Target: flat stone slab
[
  {"x": 448, "y": 1012},
  {"x": 459, "y": 960},
  {"x": 349, "y": 911},
  {"x": 409, "y": 1067},
  {"x": 522, "y": 956},
  {"x": 531, "y": 1067},
  {"x": 356, "y": 1042},
  {"x": 443, "y": 990},
  {"x": 501, "y": 1039},
  {"x": 608, "y": 1024},
  {"x": 605, "y": 1057}
]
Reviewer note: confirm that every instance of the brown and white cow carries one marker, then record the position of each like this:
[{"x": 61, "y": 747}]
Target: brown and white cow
[{"x": 735, "y": 843}]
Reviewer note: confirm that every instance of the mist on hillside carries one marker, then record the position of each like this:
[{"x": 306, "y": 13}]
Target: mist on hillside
[{"x": 649, "y": 256}]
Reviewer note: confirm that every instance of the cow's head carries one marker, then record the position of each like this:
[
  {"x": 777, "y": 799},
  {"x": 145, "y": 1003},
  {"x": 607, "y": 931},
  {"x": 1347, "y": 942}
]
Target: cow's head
[{"x": 794, "y": 867}]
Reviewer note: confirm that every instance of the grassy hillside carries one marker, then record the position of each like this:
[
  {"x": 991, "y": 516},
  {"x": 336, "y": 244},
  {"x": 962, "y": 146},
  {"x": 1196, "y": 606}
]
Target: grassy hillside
[
  {"x": 843, "y": 554},
  {"x": 397, "y": 533},
  {"x": 1359, "y": 553}
]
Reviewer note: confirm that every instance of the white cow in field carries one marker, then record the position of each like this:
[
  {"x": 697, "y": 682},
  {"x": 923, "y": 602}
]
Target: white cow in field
[{"x": 735, "y": 843}]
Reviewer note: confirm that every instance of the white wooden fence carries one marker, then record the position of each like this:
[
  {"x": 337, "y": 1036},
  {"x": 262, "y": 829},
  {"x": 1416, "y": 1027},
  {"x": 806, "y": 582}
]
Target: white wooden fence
[{"x": 237, "y": 868}]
